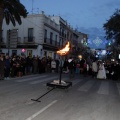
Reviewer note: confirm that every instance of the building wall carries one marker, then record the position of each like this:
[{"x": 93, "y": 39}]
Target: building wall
[
  {"x": 40, "y": 22},
  {"x": 37, "y": 22}
]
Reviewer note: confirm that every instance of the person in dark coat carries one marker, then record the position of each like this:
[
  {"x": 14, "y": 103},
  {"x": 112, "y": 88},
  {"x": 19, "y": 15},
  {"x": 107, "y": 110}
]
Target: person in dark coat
[
  {"x": 7, "y": 67},
  {"x": 43, "y": 65},
  {"x": 13, "y": 67},
  {"x": 57, "y": 65},
  {"x": 29, "y": 64},
  {"x": 35, "y": 65},
  {"x": 65, "y": 64},
  {"x": 2, "y": 68},
  {"x": 115, "y": 71},
  {"x": 108, "y": 71},
  {"x": 82, "y": 65},
  {"x": 23, "y": 64},
  {"x": 39, "y": 66}
]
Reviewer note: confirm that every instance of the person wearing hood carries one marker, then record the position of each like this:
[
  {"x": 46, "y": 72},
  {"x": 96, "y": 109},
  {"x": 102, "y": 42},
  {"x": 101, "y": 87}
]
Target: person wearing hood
[{"x": 71, "y": 66}]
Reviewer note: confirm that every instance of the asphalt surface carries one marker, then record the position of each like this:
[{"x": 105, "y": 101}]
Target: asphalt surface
[{"x": 87, "y": 99}]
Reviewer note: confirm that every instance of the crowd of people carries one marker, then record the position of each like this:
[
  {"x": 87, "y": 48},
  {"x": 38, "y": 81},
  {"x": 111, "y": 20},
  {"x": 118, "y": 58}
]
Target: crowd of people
[
  {"x": 18, "y": 66},
  {"x": 96, "y": 68}
]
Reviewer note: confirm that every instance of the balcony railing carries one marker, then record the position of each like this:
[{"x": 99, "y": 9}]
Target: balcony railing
[
  {"x": 51, "y": 42},
  {"x": 29, "y": 39}
]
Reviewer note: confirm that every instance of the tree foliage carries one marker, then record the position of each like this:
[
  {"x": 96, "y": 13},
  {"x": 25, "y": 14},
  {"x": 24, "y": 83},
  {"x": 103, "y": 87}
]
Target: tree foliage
[
  {"x": 13, "y": 10},
  {"x": 112, "y": 27}
]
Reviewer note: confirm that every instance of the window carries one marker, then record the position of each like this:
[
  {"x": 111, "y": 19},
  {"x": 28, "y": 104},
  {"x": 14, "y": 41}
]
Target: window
[
  {"x": 56, "y": 40},
  {"x": 45, "y": 53},
  {"x": 14, "y": 52},
  {"x": 29, "y": 53},
  {"x": 30, "y": 34},
  {"x": 45, "y": 36},
  {"x": 12, "y": 38},
  {"x": 50, "y": 54},
  {"x": 8, "y": 38},
  {"x": 51, "y": 37},
  {"x": 15, "y": 32}
]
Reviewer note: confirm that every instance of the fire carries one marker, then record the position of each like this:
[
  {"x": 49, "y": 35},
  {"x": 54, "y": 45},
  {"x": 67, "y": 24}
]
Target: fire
[{"x": 65, "y": 50}]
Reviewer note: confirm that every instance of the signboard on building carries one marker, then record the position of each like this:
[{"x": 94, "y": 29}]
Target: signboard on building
[{"x": 12, "y": 41}]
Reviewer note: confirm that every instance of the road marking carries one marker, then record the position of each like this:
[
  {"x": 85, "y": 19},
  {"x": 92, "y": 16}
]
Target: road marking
[
  {"x": 118, "y": 86},
  {"x": 31, "y": 78},
  {"x": 86, "y": 86},
  {"x": 42, "y": 110},
  {"x": 104, "y": 88},
  {"x": 76, "y": 81},
  {"x": 43, "y": 80}
]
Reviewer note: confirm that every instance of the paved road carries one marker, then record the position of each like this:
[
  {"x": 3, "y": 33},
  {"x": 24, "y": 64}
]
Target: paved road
[{"x": 87, "y": 99}]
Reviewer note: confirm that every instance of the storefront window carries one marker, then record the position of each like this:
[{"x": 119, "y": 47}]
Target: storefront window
[
  {"x": 50, "y": 54},
  {"x": 29, "y": 53}
]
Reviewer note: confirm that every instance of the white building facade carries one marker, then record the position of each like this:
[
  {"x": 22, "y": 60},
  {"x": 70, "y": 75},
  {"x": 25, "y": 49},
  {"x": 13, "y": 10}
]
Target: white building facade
[{"x": 38, "y": 35}]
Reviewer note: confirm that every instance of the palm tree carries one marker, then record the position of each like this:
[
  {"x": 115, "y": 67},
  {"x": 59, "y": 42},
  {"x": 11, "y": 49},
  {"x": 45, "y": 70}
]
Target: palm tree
[{"x": 11, "y": 10}]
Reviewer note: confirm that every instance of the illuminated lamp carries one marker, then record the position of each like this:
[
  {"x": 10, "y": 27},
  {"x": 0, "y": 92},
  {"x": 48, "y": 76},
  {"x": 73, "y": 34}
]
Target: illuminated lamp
[{"x": 23, "y": 50}]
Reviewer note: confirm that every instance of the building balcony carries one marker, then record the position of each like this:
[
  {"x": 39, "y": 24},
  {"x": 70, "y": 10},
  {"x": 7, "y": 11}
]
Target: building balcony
[
  {"x": 51, "y": 42},
  {"x": 29, "y": 40}
]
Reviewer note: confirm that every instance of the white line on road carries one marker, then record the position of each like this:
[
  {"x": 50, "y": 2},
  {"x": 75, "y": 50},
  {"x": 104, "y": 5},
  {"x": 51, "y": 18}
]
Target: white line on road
[
  {"x": 86, "y": 86},
  {"x": 42, "y": 110},
  {"x": 104, "y": 88},
  {"x": 31, "y": 78},
  {"x": 74, "y": 82},
  {"x": 43, "y": 80}
]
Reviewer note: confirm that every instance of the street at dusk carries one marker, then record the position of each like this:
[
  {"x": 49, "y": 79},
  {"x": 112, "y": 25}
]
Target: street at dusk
[
  {"x": 87, "y": 99},
  {"x": 59, "y": 60}
]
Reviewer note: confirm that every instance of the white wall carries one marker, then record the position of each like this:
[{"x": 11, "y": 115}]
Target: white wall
[{"x": 37, "y": 23}]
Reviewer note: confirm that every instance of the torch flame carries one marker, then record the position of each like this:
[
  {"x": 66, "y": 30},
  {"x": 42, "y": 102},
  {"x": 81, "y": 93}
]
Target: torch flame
[{"x": 65, "y": 50}]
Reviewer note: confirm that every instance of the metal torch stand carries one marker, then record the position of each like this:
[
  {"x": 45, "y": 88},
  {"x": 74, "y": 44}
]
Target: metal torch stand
[
  {"x": 60, "y": 84},
  {"x": 53, "y": 85}
]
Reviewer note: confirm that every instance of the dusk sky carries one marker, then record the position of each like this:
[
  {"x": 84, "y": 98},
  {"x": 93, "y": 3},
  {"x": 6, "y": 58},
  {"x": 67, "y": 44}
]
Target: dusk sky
[{"x": 86, "y": 15}]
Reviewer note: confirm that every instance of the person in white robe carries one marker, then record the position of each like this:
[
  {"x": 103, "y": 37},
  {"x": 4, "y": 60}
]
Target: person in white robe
[{"x": 101, "y": 71}]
